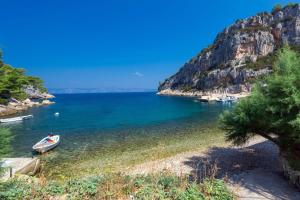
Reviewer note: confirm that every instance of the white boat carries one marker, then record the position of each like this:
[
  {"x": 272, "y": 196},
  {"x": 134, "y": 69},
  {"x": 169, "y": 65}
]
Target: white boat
[
  {"x": 47, "y": 143},
  {"x": 227, "y": 99},
  {"x": 15, "y": 119}
]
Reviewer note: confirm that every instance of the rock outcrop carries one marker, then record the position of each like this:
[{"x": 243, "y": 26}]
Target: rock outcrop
[
  {"x": 35, "y": 98},
  {"x": 224, "y": 65},
  {"x": 34, "y": 93}
]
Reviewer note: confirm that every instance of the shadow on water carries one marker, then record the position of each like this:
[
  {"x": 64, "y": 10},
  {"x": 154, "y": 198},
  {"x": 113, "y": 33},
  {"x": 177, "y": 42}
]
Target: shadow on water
[{"x": 256, "y": 168}]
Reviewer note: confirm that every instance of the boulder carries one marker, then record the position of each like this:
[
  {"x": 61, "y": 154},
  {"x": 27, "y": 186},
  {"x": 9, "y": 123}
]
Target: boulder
[{"x": 47, "y": 102}]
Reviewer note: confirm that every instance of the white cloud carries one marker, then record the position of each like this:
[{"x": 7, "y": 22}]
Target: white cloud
[{"x": 138, "y": 74}]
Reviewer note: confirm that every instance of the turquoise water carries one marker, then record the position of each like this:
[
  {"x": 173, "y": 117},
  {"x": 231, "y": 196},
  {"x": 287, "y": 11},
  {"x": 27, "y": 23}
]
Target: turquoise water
[{"x": 95, "y": 120}]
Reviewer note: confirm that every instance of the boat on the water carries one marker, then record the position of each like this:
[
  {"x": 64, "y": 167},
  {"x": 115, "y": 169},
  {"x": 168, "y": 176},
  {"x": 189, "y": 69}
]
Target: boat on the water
[
  {"x": 227, "y": 99},
  {"x": 15, "y": 119},
  {"x": 47, "y": 143}
]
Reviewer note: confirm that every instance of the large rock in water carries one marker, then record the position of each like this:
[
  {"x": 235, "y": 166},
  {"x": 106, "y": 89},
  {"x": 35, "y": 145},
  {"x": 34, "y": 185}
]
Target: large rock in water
[{"x": 223, "y": 65}]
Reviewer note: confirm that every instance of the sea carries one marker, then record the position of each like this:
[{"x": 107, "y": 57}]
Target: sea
[{"x": 93, "y": 120}]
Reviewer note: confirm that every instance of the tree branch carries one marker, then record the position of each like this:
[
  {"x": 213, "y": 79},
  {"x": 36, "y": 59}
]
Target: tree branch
[{"x": 265, "y": 135}]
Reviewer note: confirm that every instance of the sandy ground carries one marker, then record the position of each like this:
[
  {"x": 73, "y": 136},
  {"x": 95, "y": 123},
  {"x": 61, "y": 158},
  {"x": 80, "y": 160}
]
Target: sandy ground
[{"x": 252, "y": 171}]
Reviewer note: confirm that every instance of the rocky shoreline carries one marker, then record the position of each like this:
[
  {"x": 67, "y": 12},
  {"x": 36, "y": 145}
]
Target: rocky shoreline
[
  {"x": 208, "y": 95},
  {"x": 14, "y": 106}
]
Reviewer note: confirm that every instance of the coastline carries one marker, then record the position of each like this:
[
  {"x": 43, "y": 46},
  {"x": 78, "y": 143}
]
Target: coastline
[
  {"x": 207, "y": 95},
  {"x": 14, "y": 106}
]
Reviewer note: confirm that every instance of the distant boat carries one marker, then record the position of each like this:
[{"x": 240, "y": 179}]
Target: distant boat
[
  {"x": 203, "y": 100},
  {"x": 47, "y": 143},
  {"x": 15, "y": 119},
  {"x": 227, "y": 99},
  {"x": 56, "y": 114}
]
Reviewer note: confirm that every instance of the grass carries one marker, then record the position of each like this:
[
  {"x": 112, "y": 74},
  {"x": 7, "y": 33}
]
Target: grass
[
  {"x": 163, "y": 186},
  {"x": 122, "y": 155}
]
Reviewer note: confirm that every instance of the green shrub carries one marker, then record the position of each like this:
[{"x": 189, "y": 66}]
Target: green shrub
[
  {"x": 276, "y": 8},
  {"x": 54, "y": 189},
  {"x": 191, "y": 193},
  {"x": 168, "y": 181},
  {"x": 79, "y": 188},
  {"x": 15, "y": 190},
  {"x": 216, "y": 189}
]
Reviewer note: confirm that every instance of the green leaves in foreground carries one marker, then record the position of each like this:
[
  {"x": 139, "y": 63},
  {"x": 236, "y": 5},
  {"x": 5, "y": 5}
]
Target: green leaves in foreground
[{"x": 163, "y": 186}]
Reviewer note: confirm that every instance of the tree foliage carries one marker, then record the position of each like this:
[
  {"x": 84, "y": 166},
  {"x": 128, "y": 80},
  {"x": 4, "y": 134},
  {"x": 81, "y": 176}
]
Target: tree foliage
[
  {"x": 13, "y": 80},
  {"x": 5, "y": 139},
  {"x": 273, "y": 109},
  {"x": 5, "y": 144},
  {"x": 276, "y": 8}
]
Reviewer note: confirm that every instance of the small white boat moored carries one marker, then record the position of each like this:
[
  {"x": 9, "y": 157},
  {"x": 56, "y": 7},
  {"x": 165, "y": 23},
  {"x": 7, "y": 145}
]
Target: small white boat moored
[
  {"x": 15, "y": 119},
  {"x": 227, "y": 99},
  {"x": 47, "y": 143}
]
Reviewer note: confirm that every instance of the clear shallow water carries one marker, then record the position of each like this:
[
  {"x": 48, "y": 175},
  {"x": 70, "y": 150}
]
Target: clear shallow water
[{"x": 96, "y": 120}]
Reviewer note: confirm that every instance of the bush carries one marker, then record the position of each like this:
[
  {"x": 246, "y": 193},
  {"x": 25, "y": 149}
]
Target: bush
[
  {"x": 216, "y": 189},
  {"x": 276, "y": 8},
  {"x": 14, "y": 190},
  {"x": 272, "y": 110},
  {"x": 54, "y": 189},
  {"x": 80, "y": 188},
  {"x": 191, "y": 193}
]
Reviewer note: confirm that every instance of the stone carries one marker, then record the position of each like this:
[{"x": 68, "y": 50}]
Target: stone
[
  {"x": 27, "y": 101},
  {"x": 47, "y": 102}
]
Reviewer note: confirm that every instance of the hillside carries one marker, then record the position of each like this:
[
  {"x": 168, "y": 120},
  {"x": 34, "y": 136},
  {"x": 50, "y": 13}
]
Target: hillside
[{"x": 240, "y": 53}]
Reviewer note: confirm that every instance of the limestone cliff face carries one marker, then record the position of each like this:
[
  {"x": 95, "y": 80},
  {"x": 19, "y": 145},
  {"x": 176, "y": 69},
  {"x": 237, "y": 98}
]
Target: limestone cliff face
[{"x": 223, "y": 65}]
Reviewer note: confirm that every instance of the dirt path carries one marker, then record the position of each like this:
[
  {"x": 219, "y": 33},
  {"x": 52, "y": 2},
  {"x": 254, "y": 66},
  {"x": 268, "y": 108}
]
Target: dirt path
[{"x": 252, "y": 171}]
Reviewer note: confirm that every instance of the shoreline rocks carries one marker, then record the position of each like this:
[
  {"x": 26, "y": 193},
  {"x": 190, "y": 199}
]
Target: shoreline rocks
[{"x": 15, "y": 106}]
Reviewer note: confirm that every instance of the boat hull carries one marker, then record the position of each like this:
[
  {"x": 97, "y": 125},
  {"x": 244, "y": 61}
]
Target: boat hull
[
  {"x": 15, "y": 119},
  {"x": 45, "y": 148}
]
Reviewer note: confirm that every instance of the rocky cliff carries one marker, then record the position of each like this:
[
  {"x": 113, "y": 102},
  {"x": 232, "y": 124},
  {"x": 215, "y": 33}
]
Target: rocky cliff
[
  {"x": 35, "y": 98},
  {"x": 240, "y": 53}
]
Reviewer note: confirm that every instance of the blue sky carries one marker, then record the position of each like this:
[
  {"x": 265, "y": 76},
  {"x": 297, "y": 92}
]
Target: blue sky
[{"x": 113, "y": 44}]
